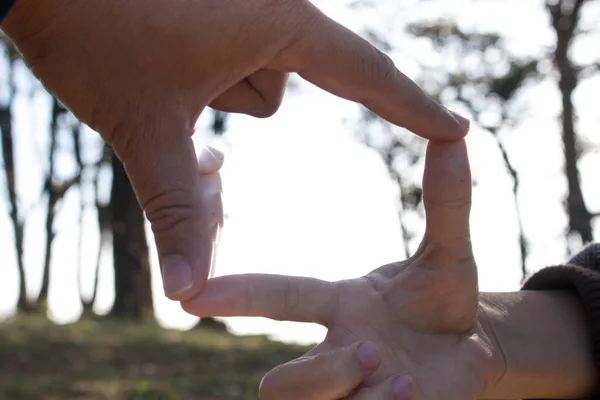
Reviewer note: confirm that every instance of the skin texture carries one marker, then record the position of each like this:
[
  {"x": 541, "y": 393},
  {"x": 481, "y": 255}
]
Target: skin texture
[
  {"x": 141, "y": 72},
  {"x": 422, "y": 313}
]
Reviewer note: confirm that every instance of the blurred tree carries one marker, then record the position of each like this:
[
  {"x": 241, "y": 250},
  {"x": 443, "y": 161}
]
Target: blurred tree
[
  {"x": 219, "y": 122},
  {"x": 401, "y": 152},
  {"x": 8, "y": 158},
  {"x": 104, "y": 220},
  {"x": 565, "y": 17},
  {"x": 55, "y": 190},
  {"x": 133, "y": 289}
]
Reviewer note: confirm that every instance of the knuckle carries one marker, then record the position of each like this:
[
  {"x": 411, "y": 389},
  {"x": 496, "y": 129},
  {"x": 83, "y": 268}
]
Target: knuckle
[
  {"x": 383, "y": 69},
  {"x": 267, "y": 108},
  {"x": 291, "y": 301},
  {"x": 167, "y": 210}
]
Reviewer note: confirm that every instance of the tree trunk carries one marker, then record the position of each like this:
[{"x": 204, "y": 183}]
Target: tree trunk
[
  {"x": 133, "y": 291},
  {"x": 406, "y": 236},
  {"x": 87, "y": 304},
  {"x": 564, "y": 21},
  {"x": 523, "y": 244},
  {"x": 17, "y": 225},
  {"x": 41, "y": 304}
]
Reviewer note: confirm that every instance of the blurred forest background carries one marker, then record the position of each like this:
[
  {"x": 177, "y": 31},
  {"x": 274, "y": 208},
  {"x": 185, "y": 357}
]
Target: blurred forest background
[{"x": 123, "y": 352}]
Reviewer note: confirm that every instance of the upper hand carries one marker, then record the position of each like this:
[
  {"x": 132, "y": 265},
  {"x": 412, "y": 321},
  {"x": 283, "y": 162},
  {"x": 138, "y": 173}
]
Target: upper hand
[
  {"x": 141, "y": 72},
  {"x": 422, "y": 313}
]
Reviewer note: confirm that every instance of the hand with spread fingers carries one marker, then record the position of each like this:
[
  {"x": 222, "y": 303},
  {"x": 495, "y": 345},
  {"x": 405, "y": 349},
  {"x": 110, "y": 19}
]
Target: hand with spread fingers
[
  {"x": 420, "y": 314},
  {"x": 141, "y": 72},
  {"x": 419, "y": 329}
]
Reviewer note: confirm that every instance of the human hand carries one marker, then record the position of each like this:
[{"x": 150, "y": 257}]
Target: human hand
[
  {"x": 422, "y": 313},
  {"x": 140, "y": 73}
]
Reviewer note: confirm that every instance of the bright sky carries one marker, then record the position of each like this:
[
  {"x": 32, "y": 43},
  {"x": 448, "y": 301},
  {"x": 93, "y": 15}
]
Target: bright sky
[{"x": 305, "y": 198}]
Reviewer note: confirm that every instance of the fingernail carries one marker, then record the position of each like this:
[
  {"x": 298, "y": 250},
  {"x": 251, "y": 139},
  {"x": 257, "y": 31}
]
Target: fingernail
[
  {"x": 210, "y": 160},
  {"x": 463, "y": 122},
  {"x": 403, "y": 386},
  {"x": 217, "y": 155},
  {"x": 368, "y": 355},
  {"x": 176, "y": 274}
]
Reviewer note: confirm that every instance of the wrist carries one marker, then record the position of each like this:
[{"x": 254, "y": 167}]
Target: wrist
[
  {"x": 541, "y": 347},
  {"x": 496, "y": 363}
]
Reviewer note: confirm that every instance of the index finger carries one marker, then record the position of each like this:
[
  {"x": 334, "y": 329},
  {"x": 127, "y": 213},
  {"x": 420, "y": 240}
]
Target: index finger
[
  {"x": 278, "y": 297},
  {"x": 334, "y": 58}
]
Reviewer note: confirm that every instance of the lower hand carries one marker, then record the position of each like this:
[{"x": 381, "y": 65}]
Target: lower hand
[{"x": 422, "y": 313}]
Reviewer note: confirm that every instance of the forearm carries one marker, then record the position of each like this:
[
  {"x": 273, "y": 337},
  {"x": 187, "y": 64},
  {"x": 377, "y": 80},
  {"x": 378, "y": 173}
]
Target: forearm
[{"x": 544, "y": 339}]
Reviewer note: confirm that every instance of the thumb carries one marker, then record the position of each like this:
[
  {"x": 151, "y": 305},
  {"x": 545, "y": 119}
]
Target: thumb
[
  {"x": 447, "y": 192},
  {"x": 180, "y": 196},
  {"x": 323, "y": 376}
]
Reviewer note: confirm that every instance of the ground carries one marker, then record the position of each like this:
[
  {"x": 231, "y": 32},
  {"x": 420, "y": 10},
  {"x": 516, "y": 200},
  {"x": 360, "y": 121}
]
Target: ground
[{"x": 97, "y": 360}]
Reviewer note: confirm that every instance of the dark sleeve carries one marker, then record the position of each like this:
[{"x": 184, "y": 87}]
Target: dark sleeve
[
  {"x": 582, "y": 276},
  {"x": 5, "y": 6}
]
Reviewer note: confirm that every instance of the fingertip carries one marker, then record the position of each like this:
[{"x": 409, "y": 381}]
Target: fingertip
[
  {"x": 447, "y": 175},
  {"x": 204, "y": 302},
  {"x": 451, "y": 127},
  {"x": 447, "y": 192},
  {"x": 182, "y": 280},
  {"x": 210, "y": 160},
  {"x": 369, "y": 355},
  {"x": 463, "y": 122},
  {"x": 177, "y": 276},
  {"x": 445, "y": 127},
  {"x": 403, "y": 387}
]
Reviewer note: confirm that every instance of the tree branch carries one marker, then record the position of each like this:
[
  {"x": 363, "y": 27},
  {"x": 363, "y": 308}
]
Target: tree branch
[{"x": 587, "y": 71}]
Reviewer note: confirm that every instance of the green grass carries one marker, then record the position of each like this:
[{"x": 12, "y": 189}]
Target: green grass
[{"x": 97, "y": 360}]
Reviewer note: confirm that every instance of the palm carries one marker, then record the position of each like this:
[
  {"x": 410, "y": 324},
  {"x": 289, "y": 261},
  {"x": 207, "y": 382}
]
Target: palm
[
  {"x": 421, "y": 313},
  {"x": 366, "y": 312}
]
